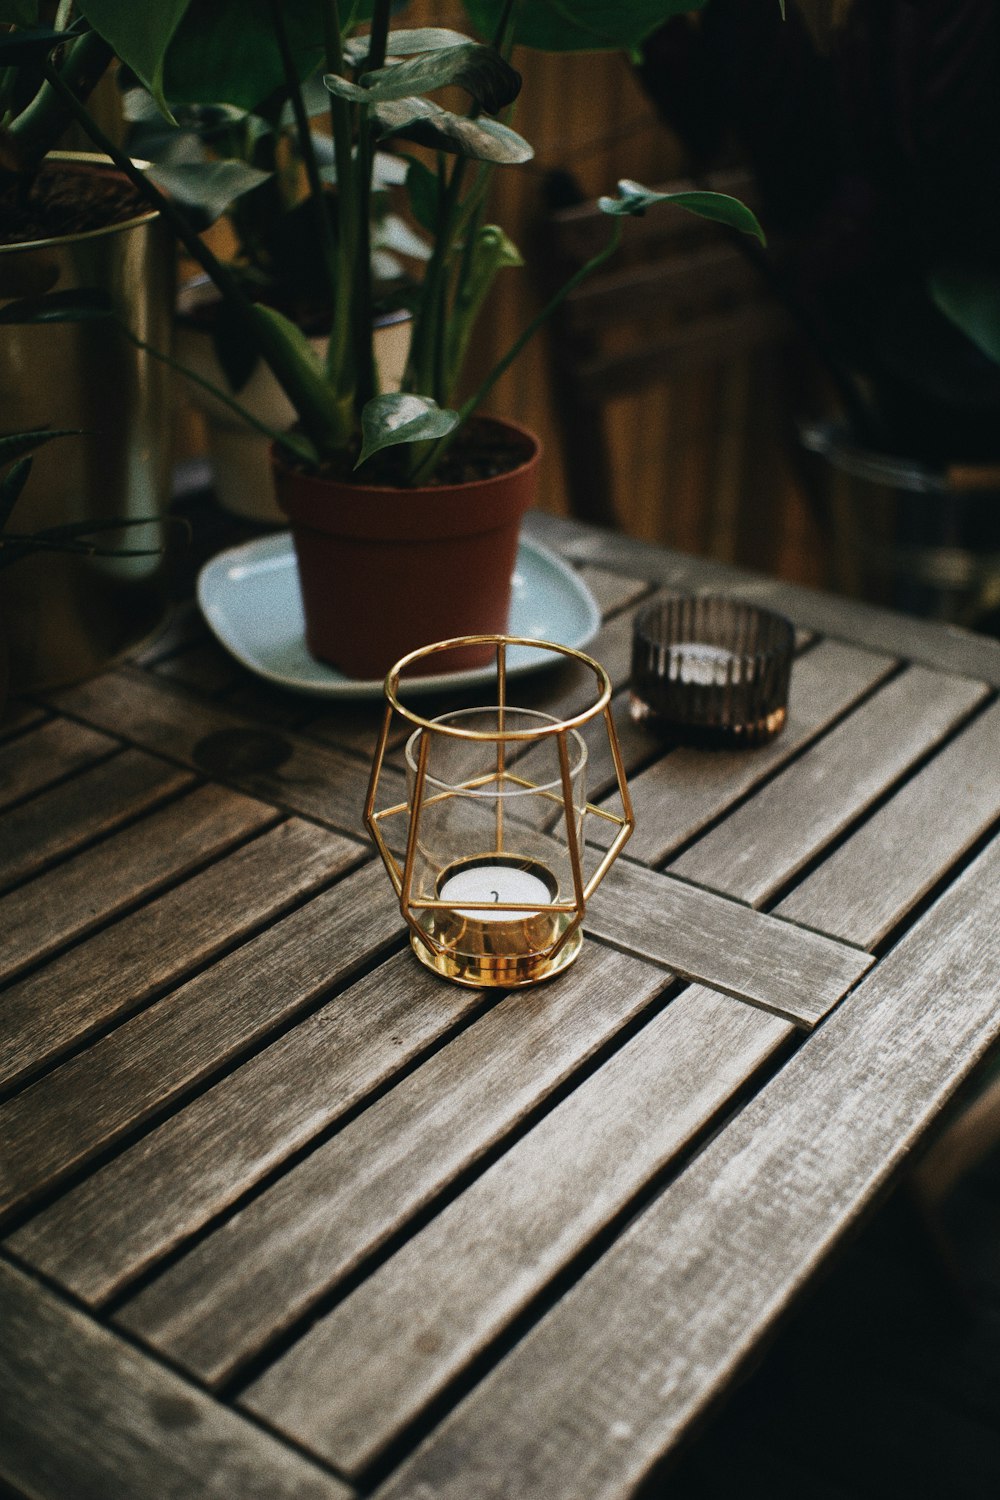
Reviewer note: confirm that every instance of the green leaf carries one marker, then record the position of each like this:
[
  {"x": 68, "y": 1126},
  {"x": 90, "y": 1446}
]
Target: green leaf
[
  {"x": 634, "y": 200},
  {"x": 10, "y": 488},
  {"x": 208, "y": 186},
  {"x": 83, "y": 305},
  {"x": 580, "y": 25},
  {"x": 15, "y": 444},
  {"x": 426, "y": 124},
  {"x": 302, "y": 375},
  {"x": 405, "y": 43},
  {"x": 140, "y": 35},
  {"x": 402, "y": 418},
  {"x": 970, "y": 297},
  {"x": 481, "y": 71}
]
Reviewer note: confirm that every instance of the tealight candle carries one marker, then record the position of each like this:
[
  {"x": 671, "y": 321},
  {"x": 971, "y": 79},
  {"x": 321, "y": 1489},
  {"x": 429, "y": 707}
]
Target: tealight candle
[{"x": 501, "y": 882}]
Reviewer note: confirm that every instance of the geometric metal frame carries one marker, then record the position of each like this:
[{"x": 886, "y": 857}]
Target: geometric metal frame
[{"x": 520, "y": 969}]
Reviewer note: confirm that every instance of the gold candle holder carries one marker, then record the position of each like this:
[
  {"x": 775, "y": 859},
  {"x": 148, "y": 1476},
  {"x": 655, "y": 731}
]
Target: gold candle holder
[{"x": 487, "y": 852}]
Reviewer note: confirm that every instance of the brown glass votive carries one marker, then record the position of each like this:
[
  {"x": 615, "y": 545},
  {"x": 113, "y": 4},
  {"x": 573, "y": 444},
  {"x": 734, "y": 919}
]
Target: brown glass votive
[{"x": 711, "y": 672}]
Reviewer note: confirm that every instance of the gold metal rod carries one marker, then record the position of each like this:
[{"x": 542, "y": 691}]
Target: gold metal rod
[
  {"x": 416, "y": 802},
  {"x": 501, "y": 725},
  {"x": 383, "y": 740},
  {"x": 511, "y": 735},
  {"x": 420, "y": 903}
]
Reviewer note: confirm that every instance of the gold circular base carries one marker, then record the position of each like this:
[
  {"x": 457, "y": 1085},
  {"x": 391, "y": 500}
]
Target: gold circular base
[{"x": 480, "y": 971}]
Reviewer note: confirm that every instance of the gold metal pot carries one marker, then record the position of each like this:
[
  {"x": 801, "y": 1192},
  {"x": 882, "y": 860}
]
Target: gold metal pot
[{"x": 65, "y": 617}]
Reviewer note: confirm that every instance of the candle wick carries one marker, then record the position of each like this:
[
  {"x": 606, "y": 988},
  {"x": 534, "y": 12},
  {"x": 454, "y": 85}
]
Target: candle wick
[{"x": 495, "y": 895}]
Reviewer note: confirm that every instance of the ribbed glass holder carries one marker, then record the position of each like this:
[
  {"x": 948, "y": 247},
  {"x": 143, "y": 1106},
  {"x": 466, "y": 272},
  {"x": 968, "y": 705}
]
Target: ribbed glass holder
[
  {"x": 488, "y": 853},
  {"x": 710, "y": 671}
]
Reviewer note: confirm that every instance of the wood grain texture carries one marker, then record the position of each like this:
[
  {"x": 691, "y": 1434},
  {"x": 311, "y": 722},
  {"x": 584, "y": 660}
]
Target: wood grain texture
[
  {"x": 204, "y": 666},
  {"x": 149, "y": 1199},
  {"x": 947, "y": 648},
  {"x": 45, "y": 755},
  {"x": 722, "y": 943},
  {"x": 275, "y": 765},
  {"x": 75, "y": 897},
  {"x": 791, "y": 819},
  {"x": 86, "y": 1417},
  {"x": 368, "y": 1369},
  {"x": 117, "y": 970},
  {"x": 17, "y": 715},
  {"x": 686, "y": 789},
  {"x": 264, "y": 1268},
  {"x": 615, "y": 1373},
  {"x": 90, "y": 1100},
  {"x": 91, "y": 803},
  {"x": 873, "y": 880}
]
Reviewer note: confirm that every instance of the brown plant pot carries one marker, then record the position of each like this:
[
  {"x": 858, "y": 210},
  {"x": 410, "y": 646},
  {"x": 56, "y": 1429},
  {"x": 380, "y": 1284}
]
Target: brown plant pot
[{"x": 386, "y": 570}]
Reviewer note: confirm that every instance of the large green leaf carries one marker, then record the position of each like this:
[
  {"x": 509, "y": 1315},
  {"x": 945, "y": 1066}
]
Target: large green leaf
[
  {"x": 426, "y": 124},
  {"x": 139, "y": 34},
  {"x": 970, "y": 297},
  {"x": 580, "y": 25},
  {"x": 479, "y": 70},
  {"x": 634, "y": 200},
  {"x": 214, "y": 51},
  {"x": 402, "y": 418}
]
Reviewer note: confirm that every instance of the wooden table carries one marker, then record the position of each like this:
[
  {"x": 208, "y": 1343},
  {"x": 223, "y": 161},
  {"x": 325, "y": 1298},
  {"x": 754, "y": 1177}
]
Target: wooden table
[{"x": 285, "y": 1215}]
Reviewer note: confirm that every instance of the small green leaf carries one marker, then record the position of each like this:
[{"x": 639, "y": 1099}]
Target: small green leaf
[
  {"x": 481, "y": 71},
  {"x": 84, "y": 305},
  {"x": 16, "y": 444},
  {"x": 10, "y": 488},
  {"x": 405, "y": 43},
  {"x": 209, "y": 187},
  {"x": 402, "y": 418},
  {"x": 970, "y": 297},
  {"x": 634, "y": 200},
  {"x": 427, "y": 124}
]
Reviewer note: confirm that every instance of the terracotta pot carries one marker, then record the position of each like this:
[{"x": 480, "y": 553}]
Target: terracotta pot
[{"x": 385, "y": 570}]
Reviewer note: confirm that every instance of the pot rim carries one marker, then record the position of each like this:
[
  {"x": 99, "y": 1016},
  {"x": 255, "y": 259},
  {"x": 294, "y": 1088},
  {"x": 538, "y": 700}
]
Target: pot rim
[
  {"x": 423, "y": 491},
  {"x": 94, "y": 159}
]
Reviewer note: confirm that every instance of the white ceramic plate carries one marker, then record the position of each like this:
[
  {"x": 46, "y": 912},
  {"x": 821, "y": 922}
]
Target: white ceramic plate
[{"x": 250, "y": 597}]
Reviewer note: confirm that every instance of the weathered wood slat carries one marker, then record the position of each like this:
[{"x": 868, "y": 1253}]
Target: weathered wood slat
[
  {"x": 620, "y": 1367},
  {"x": 44, "y": 755},
  {"x": 75, "y": 897},
  {"x": 687, "y": 789},
  {"x": 366, "y": 1371},
  {"x": 82, "y": 1106},
  {"x": 17, "y": 715},
  {"x": 150, "y": 1198},
  {"x": 872, "y": 881},
  {"x": 91, "y": 803},
  {"x": 612, "y": 591},
  {"x": 275, "y": 765},
  {"x": 950, "y": 650},
  {"x": 722, "y": 943},
  {"x": 205, "y": 667},
  {"x": 87, "y": 1415},
  {"x": 791, "y": 819},
  {"x": 118, "y": 969},
  {"x": 267, "y": 1266}
]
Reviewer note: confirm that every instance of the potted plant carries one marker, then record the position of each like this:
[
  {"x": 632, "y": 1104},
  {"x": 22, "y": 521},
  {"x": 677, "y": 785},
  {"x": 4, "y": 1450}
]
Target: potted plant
[
  {"x": 241, "y": 172},
  {"x": 73, "y": 227},
  {"x": 405, "y": 506},
  {"x": 874, "y": 136}
]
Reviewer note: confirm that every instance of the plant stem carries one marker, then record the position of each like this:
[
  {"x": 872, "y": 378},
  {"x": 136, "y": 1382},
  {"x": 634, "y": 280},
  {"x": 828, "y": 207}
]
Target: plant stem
[{"x": 438, "y": 449}]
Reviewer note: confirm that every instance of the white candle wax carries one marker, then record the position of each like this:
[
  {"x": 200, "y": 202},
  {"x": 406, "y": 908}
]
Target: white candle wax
[
  {"x": 495, "y": 883},
  {"x": 700, "y": 663}
]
